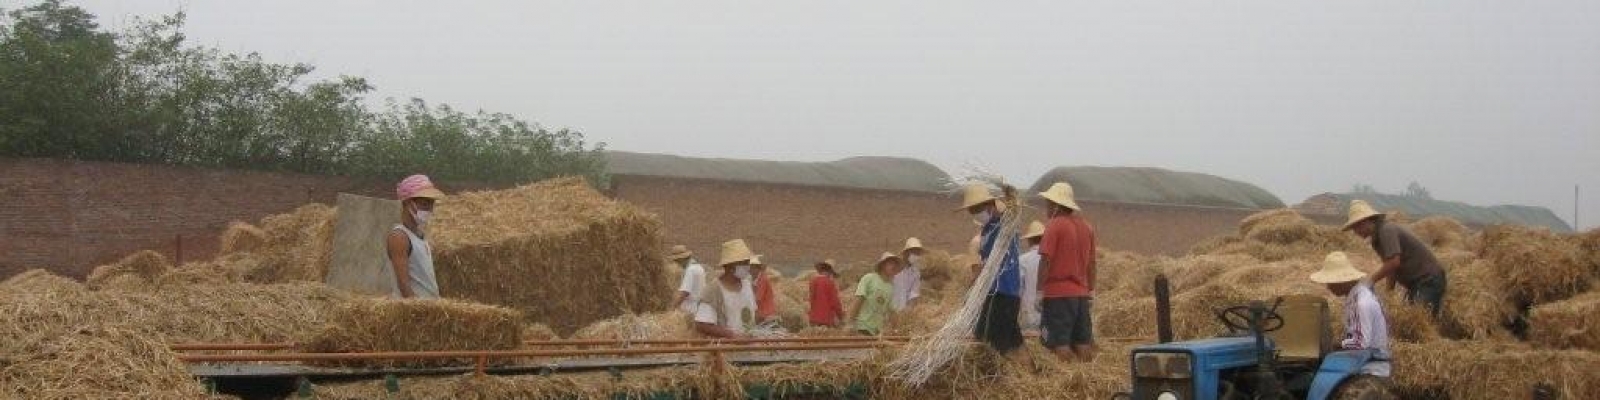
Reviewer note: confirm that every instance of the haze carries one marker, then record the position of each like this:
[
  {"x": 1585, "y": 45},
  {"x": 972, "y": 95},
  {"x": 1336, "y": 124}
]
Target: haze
[{"x": 1487, "y": 102}]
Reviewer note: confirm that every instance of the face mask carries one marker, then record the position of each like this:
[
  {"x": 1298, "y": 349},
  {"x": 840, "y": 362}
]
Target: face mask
[
  {"x": 742, "y": 271},
  {"x": 916, "y": 259},
  {"x": 422, "y": 217},
  {"x": 982, "y": 217}
]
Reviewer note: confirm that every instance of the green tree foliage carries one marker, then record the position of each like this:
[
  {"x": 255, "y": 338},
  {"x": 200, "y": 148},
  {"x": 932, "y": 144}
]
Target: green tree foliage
[{"x": 69, "y": 89}]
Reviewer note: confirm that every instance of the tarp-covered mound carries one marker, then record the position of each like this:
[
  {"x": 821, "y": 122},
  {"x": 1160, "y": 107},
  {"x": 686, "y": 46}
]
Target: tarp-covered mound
[
  {"x": 1467, "y": 213},
  {"x": 1158, "y": 186},
  {"x": 856, "y": 172},
  {"x": 557, "y": 250}
]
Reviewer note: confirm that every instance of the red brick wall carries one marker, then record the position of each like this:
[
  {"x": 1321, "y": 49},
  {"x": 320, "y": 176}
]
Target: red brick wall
[
  {"x": 797, "y": 224},
  {"x": 71, "y": 216}
]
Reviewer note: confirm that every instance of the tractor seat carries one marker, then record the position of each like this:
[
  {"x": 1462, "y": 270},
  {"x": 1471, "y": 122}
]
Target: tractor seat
[{"x": 1305, "y": 336}]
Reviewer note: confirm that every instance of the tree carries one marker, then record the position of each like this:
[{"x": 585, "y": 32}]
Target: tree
[{"x": 1416, "y": 190}]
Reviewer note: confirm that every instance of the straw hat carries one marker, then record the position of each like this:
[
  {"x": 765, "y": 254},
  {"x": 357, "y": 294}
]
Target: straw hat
[
  {"x": 886, "y": 257},
  {"x": 1035, "y": 229},
  {"x": 735, "y": 251},
  {"x": 416, "y": 186},
  {"x": 1061, "y": 193},
  {"x": 827, "y": 265},
  {"x": 912, "y": 243},
  {"x": 975, "y": 194},
  {"x": 679, "y": 252},
  {"x": 1337, "y": 269},
  {"x": 756, "y": 260},
  {"x": 1360, "y": 211}
]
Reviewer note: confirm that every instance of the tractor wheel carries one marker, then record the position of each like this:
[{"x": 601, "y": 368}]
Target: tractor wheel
[{"x": 1365, "y": 387}]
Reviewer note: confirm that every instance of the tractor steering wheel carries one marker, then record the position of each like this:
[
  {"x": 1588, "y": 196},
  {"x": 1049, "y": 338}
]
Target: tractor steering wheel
[{"x": 1237, "y": 318}]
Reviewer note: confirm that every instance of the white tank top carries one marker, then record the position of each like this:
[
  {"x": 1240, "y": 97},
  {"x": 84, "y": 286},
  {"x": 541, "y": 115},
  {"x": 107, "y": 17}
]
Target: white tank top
[{"x": 420, "y": 264}]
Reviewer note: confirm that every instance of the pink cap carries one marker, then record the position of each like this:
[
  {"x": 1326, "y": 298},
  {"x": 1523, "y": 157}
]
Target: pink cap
[{"x": 417, "y": 186}]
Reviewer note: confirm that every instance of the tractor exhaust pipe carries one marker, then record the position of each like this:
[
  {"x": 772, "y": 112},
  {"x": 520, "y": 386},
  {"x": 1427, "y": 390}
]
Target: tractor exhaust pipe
[{"x": 1163, "y": 309}]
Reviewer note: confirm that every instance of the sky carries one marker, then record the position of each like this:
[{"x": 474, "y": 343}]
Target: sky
[{"x": 1485, "y": 102}]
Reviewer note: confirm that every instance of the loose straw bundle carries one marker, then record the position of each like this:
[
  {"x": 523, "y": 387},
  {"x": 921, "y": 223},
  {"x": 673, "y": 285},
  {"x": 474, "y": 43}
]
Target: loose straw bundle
[{"x": 925, "y": 357}]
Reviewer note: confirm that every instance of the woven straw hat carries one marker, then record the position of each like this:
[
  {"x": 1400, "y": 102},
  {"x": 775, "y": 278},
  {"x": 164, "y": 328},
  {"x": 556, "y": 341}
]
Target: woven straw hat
[
  {"x": 679, "y": 252},
  {"x": 973, "y": 195},
  {"x": 416, "y": 186},
  {"x": 756, "y": 260},
  {"x": 1359, "y": 211},
  {"x": 1061, "y": 193},
  {"x": 912, "y": 243},
  {"x": 1337, "y": 269},
  {"x": 735, "y": 251},
  {"x": 1035, "y": 229},
  {"x": 886, "y": 257}
]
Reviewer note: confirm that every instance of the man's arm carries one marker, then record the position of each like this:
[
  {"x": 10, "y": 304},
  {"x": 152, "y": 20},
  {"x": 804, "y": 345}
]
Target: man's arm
[
  {"x": 399, "y": 247},
  {"x": 682, "y": 295},
  {"x": 1386, "y": 271}
]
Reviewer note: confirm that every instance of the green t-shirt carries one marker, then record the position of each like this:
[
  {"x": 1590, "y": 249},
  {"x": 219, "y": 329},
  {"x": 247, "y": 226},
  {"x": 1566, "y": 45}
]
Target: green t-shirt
[{"x": 874, "y": 293}]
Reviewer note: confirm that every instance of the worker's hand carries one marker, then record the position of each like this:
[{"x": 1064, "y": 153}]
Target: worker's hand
[
  {"x": 1038, "y": 303},
  {"x": 1349, "y": 344}
]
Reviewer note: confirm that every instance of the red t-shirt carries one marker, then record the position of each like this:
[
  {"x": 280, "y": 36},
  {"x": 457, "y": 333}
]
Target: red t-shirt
[
  {"x": 1069, "y": 244},
  {"x": 766, "y": 305},
  {"x": 825, "y": 306}
]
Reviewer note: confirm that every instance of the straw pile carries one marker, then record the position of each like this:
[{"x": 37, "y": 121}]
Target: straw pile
[
  {"x": 39, "y": 280},
  {"x": 138, "y": 270},
  {"x": 373, "y": 325},
  {"x": 1475, "y": 305},
  {"x": 1280, "y": 235},
  {"x": 557, "y": 250},
  {"x": 1493, "y": 370},
  {"x": 241, "y": 237},
  {"x": 1568, "y": 324},
  {"x": 92, "y": 363},
  {"x": 298, "y": 246},
  {"x": 1534, "y": 265},
  {"x": 532, "y": 332},
  {"x": 672, "y": 324},
  {"x": 1440, "y": 232}
]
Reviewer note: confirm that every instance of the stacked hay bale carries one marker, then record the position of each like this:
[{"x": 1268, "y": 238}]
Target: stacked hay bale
[
  {"x": 1535, "y": 266},
  {"x": 1568, "y": 324},
  {"x": 372, "y": 325},
  {"x": 671, "y": 324},
  {"x": 298, "y": 245},
  {"x": 1279, "y": 235},
  {"x": 557, "y": 250},
  {"x": 241, "y": 237},
  {"x": 1494, "y": 370},
  {"x": 136, "y": 271},
  {"x": 1440, "y": 232},
  {"x": 92, "y": 363}
]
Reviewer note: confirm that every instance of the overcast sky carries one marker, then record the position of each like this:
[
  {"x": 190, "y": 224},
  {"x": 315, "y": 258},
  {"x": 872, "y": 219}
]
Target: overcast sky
[{"x": 1487, "y": 102}]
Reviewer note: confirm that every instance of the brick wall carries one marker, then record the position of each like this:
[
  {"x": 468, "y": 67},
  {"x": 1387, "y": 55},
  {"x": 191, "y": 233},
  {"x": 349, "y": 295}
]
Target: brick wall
[
  {"x": 71, "y": 216},
  {"x": 798, "y": 224}
]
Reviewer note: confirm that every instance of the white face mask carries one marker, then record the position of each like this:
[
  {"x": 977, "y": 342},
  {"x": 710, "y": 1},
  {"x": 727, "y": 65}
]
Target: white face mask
[
  {"x": 982, "y": 217},
  {"x": 915, "y": 259},
  {"x": 422, "y": 217},
  {"x": 742, "y": 271}
]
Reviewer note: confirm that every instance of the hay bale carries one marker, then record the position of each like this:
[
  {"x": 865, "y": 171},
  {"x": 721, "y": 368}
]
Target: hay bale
[
  {"x": 532, "y": 332},
  {"x": 1440, "y": 232},
  {"x": 1589, "y": 243},
  {"x": 557, "y": 250},
  {"x": 137, "y": 270},
  {"x": 1568, "y": 324},
  {"x": 1476, "y": 306},
  {"x": 1121, "y": 273},
  {"x": 671, "y": 324},
  {"x": 1534, "y": 265},
  {"x": 92, "y": 363},
  {"x": 1468, "y": 370},
  {"x": 298, "y": 247},
  {"x": 369, "y": 324},
  {"x": 37, "y": 279},
  {"x": 241, "y": 237}
]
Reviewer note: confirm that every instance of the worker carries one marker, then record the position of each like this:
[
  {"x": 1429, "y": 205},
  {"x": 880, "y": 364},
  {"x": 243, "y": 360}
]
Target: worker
[
  {"x": 693, "y": 281},
  {"x": 997, "y": 322},
  {"x": 1406, "y": 259},
  {"x": 1029, "y": 261},
  {"x": 1365, "y": 326},
  {"x": 908, "y": 280},
  {"x": 766, "y": 303},
  {"x": 1066, "y": 277},
  {"x": 727, "y": 308},
  {"x": 407, "y": 244},
  {"x": 872, "y": 296},
  {"x": 826, "y": 309}
]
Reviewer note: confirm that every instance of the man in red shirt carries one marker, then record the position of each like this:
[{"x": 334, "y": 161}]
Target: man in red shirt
[
  {"x": 826, "y": 309},
  {"x": 1066, "y": 277}
]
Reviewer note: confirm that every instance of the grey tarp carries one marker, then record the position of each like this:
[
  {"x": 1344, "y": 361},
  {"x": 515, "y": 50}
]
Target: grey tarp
[
  {"x": 1421, "y": 207},
  {"x": 1158, "y": 186},
  {"x": 855, "y": 172}
]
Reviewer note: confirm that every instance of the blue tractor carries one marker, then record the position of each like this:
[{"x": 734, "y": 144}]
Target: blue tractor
[{"x": 1281, "y": 350}]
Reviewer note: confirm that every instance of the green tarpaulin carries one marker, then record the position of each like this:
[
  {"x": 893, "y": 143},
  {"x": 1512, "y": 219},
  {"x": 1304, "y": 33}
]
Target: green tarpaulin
[
  {"x": 855, "y": 172},
  {"x": 1158, "y": 186}
]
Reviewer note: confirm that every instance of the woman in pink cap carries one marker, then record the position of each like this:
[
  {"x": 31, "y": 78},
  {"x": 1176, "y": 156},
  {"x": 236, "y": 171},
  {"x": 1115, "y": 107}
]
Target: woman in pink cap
[{"x": 409, "y": 252}]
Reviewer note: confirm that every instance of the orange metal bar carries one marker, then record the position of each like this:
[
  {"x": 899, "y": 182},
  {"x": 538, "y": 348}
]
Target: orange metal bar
[
  {"x": 575, "y": 342},
  {"x": 232, "y": 346},
  {"x": 496, "y": 354}
]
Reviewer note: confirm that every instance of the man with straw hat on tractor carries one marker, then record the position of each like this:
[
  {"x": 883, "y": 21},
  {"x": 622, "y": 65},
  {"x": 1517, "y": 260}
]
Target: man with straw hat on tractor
[
  {"x": 908, "y": 280},
  {"x": 873, "y": 294},
  {"x": 1406, "y": 259},
  {"x": 694, "y": 278},
  {"x": 997, "y": 322},
  {"x": 407, "y": 244},
  {"x": 1066, "y": 277},
  {"x": 1030, "y": 276},
  {"x": 727, "y": 308},
  {"x": 1365, "y": 325}
]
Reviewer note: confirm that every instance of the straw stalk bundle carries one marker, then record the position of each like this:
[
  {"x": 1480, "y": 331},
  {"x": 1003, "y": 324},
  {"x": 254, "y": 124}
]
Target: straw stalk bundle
[
  {"x": 1569, "y": 324},
  {"x": 241, "y": 237},
  {"x": 92, "y": 363},
  {"x": 556, "y": 250},
  {"x": 1469, "y": 370},
  {"x": 298, "y": 247},
  {"x": 136, "y": 271},
  {"x": 672, "y": 324},
  {"x": 375, "y": 325},
  {"x": 1475, "y": 304},
  {"x": 1534, "y": 265},
  {"x": 1440, "y": 232}
]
